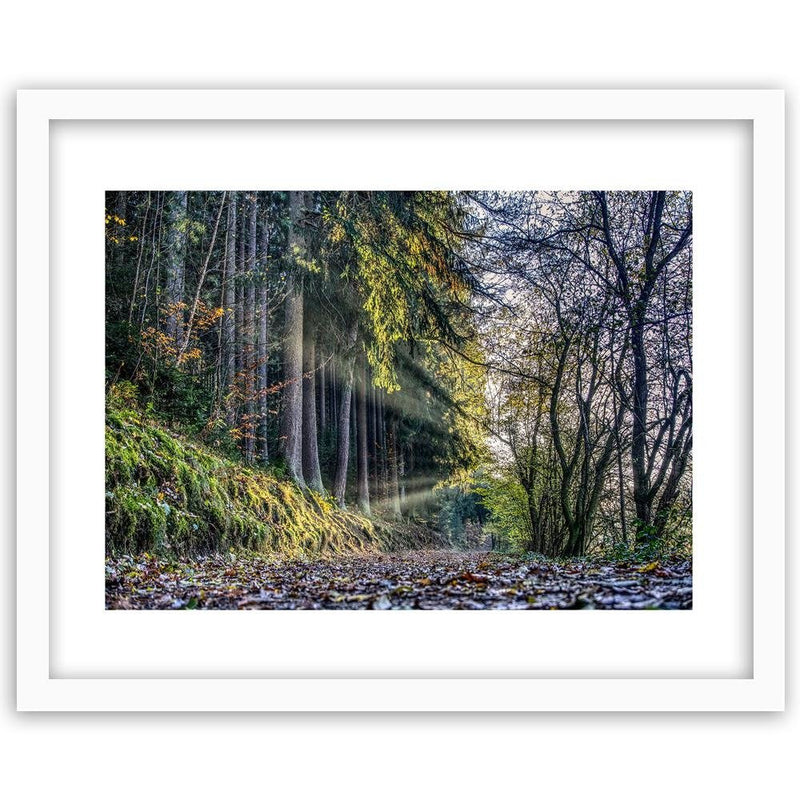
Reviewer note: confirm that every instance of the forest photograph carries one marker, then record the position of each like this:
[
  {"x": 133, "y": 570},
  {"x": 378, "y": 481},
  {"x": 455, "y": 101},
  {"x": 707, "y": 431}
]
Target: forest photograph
[{"x": 398, "y": 400}]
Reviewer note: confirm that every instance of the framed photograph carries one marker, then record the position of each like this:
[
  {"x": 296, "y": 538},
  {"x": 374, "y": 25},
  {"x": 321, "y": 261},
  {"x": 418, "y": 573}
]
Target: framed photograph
[{"x": 344, "y": 398}]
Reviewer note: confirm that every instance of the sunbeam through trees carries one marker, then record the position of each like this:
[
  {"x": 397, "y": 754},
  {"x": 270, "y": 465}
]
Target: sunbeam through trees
[{"x": 317, "y": 375}]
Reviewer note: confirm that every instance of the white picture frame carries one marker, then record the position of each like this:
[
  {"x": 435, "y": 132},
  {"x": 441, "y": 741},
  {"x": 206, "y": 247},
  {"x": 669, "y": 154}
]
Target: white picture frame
[{"x": 45, "y": 563}]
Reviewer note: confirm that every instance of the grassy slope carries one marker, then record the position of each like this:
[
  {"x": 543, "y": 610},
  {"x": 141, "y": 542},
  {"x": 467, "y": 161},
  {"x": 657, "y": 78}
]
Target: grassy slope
[{"x": 166, "y": 494}]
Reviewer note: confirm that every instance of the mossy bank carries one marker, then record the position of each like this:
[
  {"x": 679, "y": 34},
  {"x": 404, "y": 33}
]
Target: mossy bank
[{"x": 167, "y": 494}]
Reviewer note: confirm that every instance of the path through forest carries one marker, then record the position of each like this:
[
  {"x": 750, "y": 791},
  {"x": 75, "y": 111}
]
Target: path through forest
[{"x": 433, "y": 579}]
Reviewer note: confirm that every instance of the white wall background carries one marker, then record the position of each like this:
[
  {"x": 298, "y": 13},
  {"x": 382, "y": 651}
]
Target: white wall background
[{"x": 614, "y": 44}]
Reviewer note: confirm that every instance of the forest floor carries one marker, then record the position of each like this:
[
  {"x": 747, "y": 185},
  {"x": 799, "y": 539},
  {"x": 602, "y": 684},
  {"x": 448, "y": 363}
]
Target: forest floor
[{"x": 422, "y": 579}]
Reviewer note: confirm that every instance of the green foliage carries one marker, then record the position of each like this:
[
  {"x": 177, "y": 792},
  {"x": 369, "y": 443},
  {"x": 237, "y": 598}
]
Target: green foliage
[
  {"x": 506, "y": 501},
  {"x": 461, "y": 515},
  {"x": 166, "y": 494},
  {"x": 179, "y": 397},
  {"x": 396, "y": 252},
  {"x": 672, "y": 539}
]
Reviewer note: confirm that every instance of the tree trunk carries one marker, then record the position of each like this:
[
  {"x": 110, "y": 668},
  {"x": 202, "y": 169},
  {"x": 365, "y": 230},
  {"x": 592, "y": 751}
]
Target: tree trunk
[
  {"x": 401, "y": 471},
  {"x": 533, "y": 517},
  {"x": 323, "y": 411},
  {"x": 343, "y": 440},
  {"x": 249, "y": 326},
  {"x": 333, "y": 380},
  {"x": 187, "y": 338},
  {"x": 383, "y": 465},
  {"x": 175, "y": 267},
  {"x": 345, "y": 372},
  {"x": 372, "y": 427},
  {"x": 394, "y": 470},
  {"x": 670, "y": 493},
  {"x": 241, "y": 256},
  {"x": 263, "y": 336},
  {"x": 292, "y": 412},
  {"x": 142, "y": 247},
  {"x": 618, "y": 448},
  {"x": 362, "y": 436},
  {"x": 311, "y": 470},
  {"x": 229, "y": 304},
  {"x": 641, "y": 487},
  {"x": 121, "y": 211}
]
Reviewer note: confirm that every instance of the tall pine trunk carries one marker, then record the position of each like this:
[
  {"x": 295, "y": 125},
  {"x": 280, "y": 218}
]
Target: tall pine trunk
[
  {"x": 311, "y": 470},
  {"x": 345, "y": 374},
  {"x": 343, "y": 440},
  {"x": 240, "y": 297},
  {"x": 372, "y": 426},
  {"x": 176, "y": 207},
  {"x": 229, "y": 304},
  {"x": 401, "y": 470},
  {"x": 393, "y": 467},
  {"x": 362, "y": 436},
  {"x": 263, "y": 335},
  {"x": 383, "y": 467},
  {"x": 291, "y": 443},
  {"x": 249, "y": 325},
  {"x": 333, "y": 380},
  {"x": 323, "y": 410}
]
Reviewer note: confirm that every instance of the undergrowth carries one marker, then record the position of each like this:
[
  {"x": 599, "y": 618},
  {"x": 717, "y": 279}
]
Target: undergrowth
[{"x": 168, "y": 495}]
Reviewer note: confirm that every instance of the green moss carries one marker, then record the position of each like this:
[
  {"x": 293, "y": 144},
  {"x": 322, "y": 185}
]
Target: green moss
[{"x": 166, "y": 494}]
